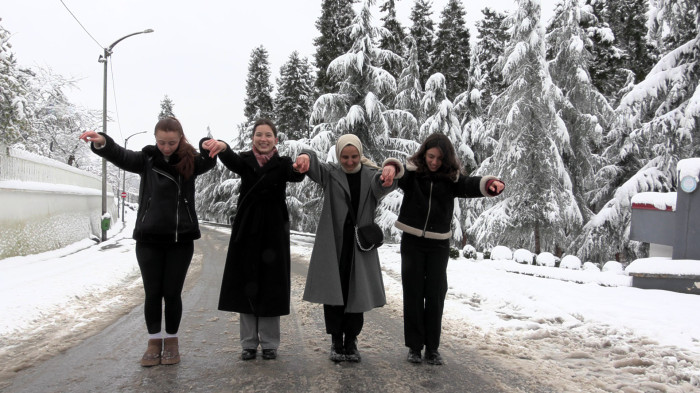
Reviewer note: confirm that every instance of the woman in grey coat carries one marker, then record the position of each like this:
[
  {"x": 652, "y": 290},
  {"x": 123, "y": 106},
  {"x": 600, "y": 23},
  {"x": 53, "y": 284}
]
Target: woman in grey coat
[{"x": 346, "y": 280}]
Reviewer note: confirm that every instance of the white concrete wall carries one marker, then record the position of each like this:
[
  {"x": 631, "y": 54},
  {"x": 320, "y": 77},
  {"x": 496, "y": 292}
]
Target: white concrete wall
[{"x": 45, "y": 204}]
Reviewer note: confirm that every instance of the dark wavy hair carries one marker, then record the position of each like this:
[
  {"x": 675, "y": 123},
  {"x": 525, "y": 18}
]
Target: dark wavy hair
[
  {"x": 450, "y": 167},
  {"x": 266, "y": 121},
  {"x": 185, "y": 151}
]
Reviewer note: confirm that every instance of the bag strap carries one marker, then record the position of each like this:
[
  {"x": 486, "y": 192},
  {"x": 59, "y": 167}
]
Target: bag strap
[{"x": 240, "y": 203}]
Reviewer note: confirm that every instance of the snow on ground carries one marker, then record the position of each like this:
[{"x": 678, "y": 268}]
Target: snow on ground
[{"x": 536, "y": 314}]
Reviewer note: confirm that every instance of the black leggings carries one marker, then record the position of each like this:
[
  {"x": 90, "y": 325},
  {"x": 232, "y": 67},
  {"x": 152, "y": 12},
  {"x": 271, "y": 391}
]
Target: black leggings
[{"x": 163, "y": 270}]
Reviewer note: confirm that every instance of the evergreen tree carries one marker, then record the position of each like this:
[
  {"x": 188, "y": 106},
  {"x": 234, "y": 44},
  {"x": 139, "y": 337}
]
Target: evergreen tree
[
  {"x": 585, "y": 112},
  {"x": 14, "y": 109},
  {"x": 423, "y": 32},
  {"x": 628, "y": 20},
  {"x": 491, "y": 39},
  {"x": 451, "y": 53},
  {"x": 655, "y": 128},
  {"x": 673, "y": 23},
  {"x": 258, "y": 99},
  {"x": 358, "y": 106},
  {"x": 294, "y": 97},
  {"x": 336, "y": 16},
  {"x": 606, "y": 68},
  {"x": 166, "y": 108},
  {"x": 394, "y": 36},
  {"x": 404, "y": 119},
  {"x": 541, "y": 210}
]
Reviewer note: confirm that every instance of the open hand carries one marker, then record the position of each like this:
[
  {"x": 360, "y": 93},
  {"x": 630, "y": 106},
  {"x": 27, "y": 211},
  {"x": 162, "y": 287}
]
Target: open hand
[
  {"x": 302, "y": 163},
  {"x": 91, "y": 136}
]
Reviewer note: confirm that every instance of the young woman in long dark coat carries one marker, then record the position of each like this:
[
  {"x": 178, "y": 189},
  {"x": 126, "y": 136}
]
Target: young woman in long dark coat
[
  {"x": 256, "y": 281},
  {"x": 166, "y": 225},
  {"x": 432, "y": 181}
]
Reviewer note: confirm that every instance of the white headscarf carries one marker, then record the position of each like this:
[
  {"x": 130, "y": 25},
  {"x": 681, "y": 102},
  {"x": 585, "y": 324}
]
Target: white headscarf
[{"x": 352, "y": 140}]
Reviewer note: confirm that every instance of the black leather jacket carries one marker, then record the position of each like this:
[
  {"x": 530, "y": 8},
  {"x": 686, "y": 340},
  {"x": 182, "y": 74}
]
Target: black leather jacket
[{"x": 166, "y": 200}]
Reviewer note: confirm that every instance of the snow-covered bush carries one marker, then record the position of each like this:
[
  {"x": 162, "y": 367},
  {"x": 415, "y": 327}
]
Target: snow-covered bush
[
  {"x": 546, "y": 259},
  {"x": 501, "y": 252},
  {"x": 570, "y": 262},
  {"x": 454, "y": 253},
  {"x": 522, "y": 255},
  {"x": 487, "y": 254},
  {"x": 469, "y": 252},
  {"x": 613, "y": 267},
  {"x": 591, "y": 267}
]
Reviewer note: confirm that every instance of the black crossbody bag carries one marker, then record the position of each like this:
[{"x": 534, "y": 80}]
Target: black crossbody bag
[{"x": 368, "y": 237}]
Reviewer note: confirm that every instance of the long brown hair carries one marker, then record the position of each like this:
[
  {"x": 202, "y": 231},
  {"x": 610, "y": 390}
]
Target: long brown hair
[
  {"x": 185, "y": 151},
  {"x": 450, "y": 167}
]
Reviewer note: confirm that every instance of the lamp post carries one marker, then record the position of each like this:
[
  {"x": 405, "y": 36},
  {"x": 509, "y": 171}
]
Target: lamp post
[
  {"x": 104, "y": 58},
  {"x": 124, "y": 177}
]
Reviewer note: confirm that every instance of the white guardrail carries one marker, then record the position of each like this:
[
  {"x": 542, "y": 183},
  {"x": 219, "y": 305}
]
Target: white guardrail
[{"x": 46, "y": 204}]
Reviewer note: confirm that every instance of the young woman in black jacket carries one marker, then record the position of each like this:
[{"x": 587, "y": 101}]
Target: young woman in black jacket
[
  {"x": 166, "y": 225},
  {"x": 432, "y": 180}
]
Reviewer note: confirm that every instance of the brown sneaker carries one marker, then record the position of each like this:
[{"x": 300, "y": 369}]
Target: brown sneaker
[
  {"x": 152, "y": 355},
  {"x": 171, "y": 351}
]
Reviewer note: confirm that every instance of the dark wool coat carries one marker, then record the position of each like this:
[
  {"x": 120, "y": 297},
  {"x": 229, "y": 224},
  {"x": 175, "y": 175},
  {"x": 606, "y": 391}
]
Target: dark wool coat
[
  {"x": 257, "y": 273},
  {"x": 166, "y": 200},
  {"x": 366, "y": 290}
]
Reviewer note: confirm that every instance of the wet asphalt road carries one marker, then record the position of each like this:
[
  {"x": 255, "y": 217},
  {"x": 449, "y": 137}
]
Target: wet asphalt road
[{"x": 109, "y": 360}]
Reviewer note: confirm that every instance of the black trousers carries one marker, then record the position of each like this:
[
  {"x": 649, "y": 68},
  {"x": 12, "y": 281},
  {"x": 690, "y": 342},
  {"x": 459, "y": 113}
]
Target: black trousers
[
  {"x": 163, "y": 270},
  {"x": 339, "y": 322},
  {"x": 424, "y": 281}
]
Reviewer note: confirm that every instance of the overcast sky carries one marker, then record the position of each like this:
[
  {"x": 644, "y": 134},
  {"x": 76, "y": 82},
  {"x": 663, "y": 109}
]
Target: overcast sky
[{"x": 198, "y": 54}]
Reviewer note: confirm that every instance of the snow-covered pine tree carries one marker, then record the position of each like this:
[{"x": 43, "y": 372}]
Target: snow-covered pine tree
[
  {"x": 394, "y": 40},
  {"x": 258, "y": 90},
  {"x": 336, "y": 16},
  {"x": 423, "y": 32},
  {"x": 166, "y": 108},
  {"x": 469, "y": 106},
  {"x": 538, "y": 209},
  {"x": 672, "y": 23},
  {"x": 358, "y": 105},
  {"x": 606, "y": 68},
  {"x": 14, "y": 108},
  {"x": 491, "y": 38},
  {"x": 628, "y": 21},
  {"x": 656, "y": 127},
  {"x": 403, "y": 120},
  {"x": 586, "y": 113},
  {"x": 294, "y": 99},
  {"x": 451, "y": 53}
]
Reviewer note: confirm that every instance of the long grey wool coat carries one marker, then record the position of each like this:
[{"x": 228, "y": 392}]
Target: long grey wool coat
[
  {"x": 257, "y": 273},
  {"x": 366, "y": 289}
]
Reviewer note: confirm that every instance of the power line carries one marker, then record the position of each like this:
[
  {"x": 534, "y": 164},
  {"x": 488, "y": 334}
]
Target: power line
[
  {"x": 81, "y": 25},
  {"x": 114, "y": 96}
]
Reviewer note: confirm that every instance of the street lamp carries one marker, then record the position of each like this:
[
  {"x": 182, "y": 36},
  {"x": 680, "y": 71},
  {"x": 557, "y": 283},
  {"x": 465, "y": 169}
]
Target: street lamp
[
  {"x": 124, "y": 177},
  {"x": 104, "y": 58}
]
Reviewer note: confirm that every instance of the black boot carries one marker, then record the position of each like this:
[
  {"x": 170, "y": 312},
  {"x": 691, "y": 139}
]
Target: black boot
[
  {"x": 337, "y": 351},
  {"x": 414, "y": 356},
  {"x": 351, "y": 352},
  {"x": 432, "y": 356}
]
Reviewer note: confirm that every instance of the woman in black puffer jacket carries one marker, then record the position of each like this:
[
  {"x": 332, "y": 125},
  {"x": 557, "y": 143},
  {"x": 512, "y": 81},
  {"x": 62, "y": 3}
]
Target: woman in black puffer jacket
[
  {"x": 166, "y": 225},
  {"x": 432, "y": 180}
]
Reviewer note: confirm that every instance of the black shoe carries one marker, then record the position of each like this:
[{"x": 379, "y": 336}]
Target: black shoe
[
  {"x": 337, "y": 352},
  {"x": 351, "y": 352},
  {"x": 414, "y": 356},
  {"x": 248, "y": 354},
  {"x": 269, "y": 354},
  {"x": 432, "y": 356}
]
